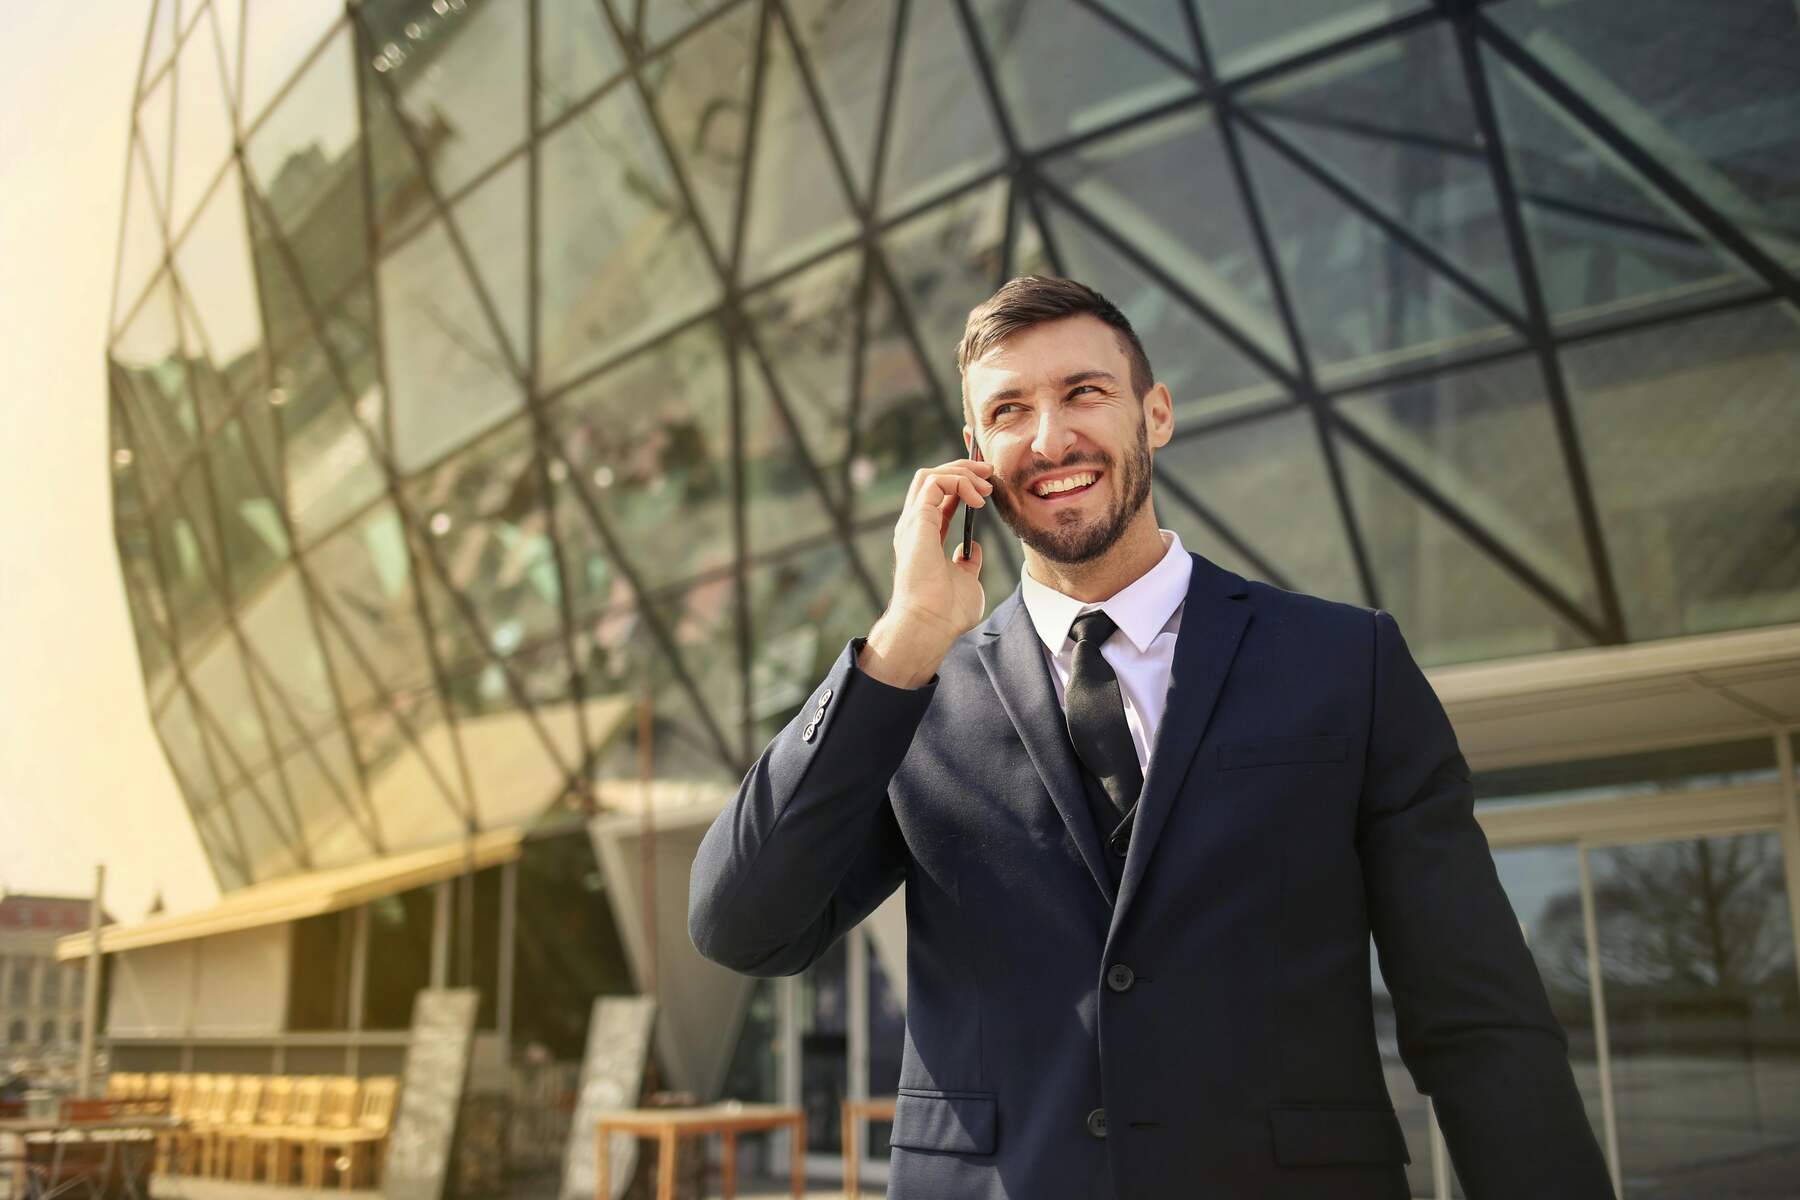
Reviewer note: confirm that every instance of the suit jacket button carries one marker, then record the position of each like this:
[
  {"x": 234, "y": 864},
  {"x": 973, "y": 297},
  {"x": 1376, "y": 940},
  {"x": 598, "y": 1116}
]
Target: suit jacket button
[
  {"x": 812, "y": 727},
  {"x": 1120, "y": 843},
  {"x": 1096, "y": 1122},
  {"x": 1120, "y": 977},
  {"x": 825, "y": 698}
]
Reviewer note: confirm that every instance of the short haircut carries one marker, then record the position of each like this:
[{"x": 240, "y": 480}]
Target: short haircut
[{"x": 1029, "y": 300}]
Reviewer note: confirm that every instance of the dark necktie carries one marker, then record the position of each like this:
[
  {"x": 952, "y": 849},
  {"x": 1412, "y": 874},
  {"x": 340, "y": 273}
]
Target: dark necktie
[{"x": 1096, "y": 715}]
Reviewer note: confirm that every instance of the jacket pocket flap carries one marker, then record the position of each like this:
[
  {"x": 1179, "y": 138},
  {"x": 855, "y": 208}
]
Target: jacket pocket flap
[
  {"x": 957, "y": 1121},
  {"x": 1327, "y": 748},
  {"x": 1320, "y": 1137}
]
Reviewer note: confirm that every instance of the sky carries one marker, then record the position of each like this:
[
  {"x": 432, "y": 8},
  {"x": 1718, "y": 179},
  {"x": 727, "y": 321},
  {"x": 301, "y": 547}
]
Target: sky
[{"x": 82, "y": 778}]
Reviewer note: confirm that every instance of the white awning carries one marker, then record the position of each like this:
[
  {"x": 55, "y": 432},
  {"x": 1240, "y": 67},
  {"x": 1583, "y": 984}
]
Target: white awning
[{"x": 297, "y": 896}]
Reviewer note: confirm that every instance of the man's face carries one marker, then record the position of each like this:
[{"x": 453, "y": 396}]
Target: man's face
[{"x": 1054, "y": 412}]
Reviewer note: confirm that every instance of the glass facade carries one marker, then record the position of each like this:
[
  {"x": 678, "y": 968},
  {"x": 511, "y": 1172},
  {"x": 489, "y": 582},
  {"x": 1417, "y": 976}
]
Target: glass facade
[{"x": 483, "y": 369}]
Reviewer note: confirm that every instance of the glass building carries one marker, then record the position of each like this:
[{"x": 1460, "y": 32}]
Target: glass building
[{"x": 511, "y": 401}]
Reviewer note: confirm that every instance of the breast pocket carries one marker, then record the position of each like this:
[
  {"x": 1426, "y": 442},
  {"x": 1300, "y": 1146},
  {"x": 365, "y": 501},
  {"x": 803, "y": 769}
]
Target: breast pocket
[{"x": 1271, "y": 752}]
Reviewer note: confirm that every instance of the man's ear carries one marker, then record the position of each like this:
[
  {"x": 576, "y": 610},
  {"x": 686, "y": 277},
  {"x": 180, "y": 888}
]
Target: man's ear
[
  {"x": 969, "y": 443},
  {"x": 1159, "y": 415}
]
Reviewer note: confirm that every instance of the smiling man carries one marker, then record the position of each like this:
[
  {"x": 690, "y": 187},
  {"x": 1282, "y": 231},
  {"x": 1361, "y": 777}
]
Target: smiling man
[{"x": 1148, "y": 815}]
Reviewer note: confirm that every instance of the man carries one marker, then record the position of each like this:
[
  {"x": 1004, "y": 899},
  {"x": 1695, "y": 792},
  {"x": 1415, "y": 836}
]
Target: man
[{"x": 1148, "y": 814}]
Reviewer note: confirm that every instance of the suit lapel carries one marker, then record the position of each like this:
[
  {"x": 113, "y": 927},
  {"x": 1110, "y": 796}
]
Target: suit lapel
[
  {"x": 1212, "y": 627},
  {"x": 1014, "y": 658}
]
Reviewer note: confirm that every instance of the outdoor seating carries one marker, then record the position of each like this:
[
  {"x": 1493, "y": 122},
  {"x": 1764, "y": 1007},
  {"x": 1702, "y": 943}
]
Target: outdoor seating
[
  {"x": 240, "y": 1144},
  {"x": 275, "y": 1148},
  {"x": 352, "y": 1152}
]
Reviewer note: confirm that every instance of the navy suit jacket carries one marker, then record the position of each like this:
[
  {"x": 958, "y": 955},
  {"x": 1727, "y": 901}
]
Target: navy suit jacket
[{"x": 1206, "y": 1028}]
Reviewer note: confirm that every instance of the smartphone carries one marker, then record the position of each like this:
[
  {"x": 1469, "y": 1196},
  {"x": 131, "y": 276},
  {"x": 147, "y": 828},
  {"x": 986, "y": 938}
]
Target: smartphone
[{"x": 969, "y": 523}]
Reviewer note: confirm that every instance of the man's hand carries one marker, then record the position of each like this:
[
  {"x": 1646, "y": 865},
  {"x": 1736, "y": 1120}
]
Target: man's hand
[{"x": 936, "y": 599}]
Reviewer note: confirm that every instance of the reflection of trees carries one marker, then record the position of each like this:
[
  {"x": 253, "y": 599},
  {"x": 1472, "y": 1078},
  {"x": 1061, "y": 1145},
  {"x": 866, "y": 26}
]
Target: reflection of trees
[{"x": 1689, "y": 923}]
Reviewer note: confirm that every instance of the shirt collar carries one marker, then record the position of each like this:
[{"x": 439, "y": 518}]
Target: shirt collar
[{"x": 1140, "y": 609}]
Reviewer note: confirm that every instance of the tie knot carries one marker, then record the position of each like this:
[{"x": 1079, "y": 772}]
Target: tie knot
[{"x": 1095, "y": 627}]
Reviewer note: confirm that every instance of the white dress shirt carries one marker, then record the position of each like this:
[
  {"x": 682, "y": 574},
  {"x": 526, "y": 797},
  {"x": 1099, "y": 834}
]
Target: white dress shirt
[{"x": 1141, "y": 654}]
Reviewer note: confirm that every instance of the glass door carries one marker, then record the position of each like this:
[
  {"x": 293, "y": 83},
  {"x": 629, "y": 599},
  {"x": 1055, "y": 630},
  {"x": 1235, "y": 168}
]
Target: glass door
[{"x": 1702, "y": 1012}]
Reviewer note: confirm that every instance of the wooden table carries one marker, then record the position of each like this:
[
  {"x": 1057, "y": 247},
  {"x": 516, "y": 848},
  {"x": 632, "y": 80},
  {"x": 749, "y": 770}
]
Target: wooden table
[
  {"x": 669, "y": 1125},
  {"x": 855, "y": 1113},
  {"x": 47, "y": 1138}
]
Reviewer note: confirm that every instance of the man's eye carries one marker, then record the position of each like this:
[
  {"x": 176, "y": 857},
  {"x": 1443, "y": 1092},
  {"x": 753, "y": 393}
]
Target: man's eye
[{"x": 1001, "y": 410}]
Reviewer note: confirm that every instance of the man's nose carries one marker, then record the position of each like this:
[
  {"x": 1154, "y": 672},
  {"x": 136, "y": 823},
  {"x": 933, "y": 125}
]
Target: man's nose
[{"x": 1053, "y": 436}]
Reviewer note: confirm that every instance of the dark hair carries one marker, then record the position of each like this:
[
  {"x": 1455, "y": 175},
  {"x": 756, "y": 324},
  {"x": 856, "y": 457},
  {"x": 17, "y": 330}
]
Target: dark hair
[{"x": 1029, "y": 300}]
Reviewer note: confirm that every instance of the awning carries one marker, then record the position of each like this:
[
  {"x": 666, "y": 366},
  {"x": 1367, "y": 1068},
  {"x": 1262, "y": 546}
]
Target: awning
[
  {"x": 1618, "y": 699},
  {"x": 297, "y": 896}
]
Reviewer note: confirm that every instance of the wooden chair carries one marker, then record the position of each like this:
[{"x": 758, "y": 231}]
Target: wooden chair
[
  {"x": 194, "y": 1145},
  {"x": 193, "y": 1095},
  {"x": 337, "y": 1116},
  {"x": 276, "y": 1146},
  {"x": 247, "y": 1100},
  {"x": 353, "y": 1152},
  {"x": 158, "y": 1093},
  {"x": 241, "y": 1146}
]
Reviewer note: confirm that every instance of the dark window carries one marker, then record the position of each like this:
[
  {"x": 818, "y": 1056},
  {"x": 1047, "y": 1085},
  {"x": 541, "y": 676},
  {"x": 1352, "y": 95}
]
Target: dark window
[
  {"x": 568, "y": 948},
  {"x": 399, "y": 958},
  {"x": 319, "y": 982}
]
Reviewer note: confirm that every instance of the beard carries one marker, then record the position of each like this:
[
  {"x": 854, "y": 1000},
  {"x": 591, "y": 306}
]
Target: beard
[{"x": 1075, "y": 538}]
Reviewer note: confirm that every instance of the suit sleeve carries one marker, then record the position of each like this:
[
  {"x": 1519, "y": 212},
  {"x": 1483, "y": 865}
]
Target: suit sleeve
[
  {"x": 809, "y": 846},
  {"x": 1475, "y": 1026}
]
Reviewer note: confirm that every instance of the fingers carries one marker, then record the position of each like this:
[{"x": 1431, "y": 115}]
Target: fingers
[
  {"x": 940, "y": 485},
  {"x": 969, "y": 468},
  {"x": 971, "y": 564}
]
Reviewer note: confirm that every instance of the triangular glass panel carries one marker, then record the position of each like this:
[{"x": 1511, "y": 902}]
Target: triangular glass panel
[
  {"x": 521, "y": 753},
  {"x": 1206, "y": 374},
  {"x": 1048, "y": 105},
  {"x": 1606, "y": 243},
  {"x": 255, "y": 542},
  {"x": 1029, "y": 253},
  {"x": 189, "y": 578},
  {"x": 1203, "y": 533},
  {"x": 449, "y": 377},
  {"x": 483, "y": 516},
  {"x": 278, "y": 628},
  {"x": 155, "y": 126},
  {"x": 846, "y": 48},
  {"x": 946, "y": 261},
  {"x": 806, "y": 327},
  {"x": 365, "y": 575},
  {"x": 803, "y": 609},
  {"x": 942, "y": 131},
  {"x": 272, "y": 849},
  {"x": 278, "y": 37},
  {"x": 903, "y": 422},
  {"x": 1691, "y": 434},
  {"x": 202, "y": 123},
  {"x": 333, "y": 826},
  {"x": 457, "y": 72},
  {"x": 1395, "y": 124},
  {"x": 178, "y": 728},
  {"x": 785, "y": 224},
  {"x": 1486, "y": 438},
  {"x": 663, "y": 19},
  {"x": 1453, "y": 601},
  {"x": 221, "y": 846},
  {"x": 1168, "y": 189},
  {"x": 230, "y": 15},
  {"x": 701, "y": 93},
  {"x": 1711, "y": 72},
  {"x": 620, "y": 259},
  {"x": 214, "y": 266},
  {"x": 647, "y": 468},
  {"x": 222, "y": 686},
  {"x": 213, "y": 401},
  {"x": 685, "y": 755},
  {"x": 1267, "y": 481},
  {"x": 163, "y": 37},
  {"x": 155, "y": 391},
  {"x": 141, "y": 246},
  {"x": 782, "y": 503},
  {"x": 491, "y": 222},
  {"x": 1365, "y": 303},
  {"x": 1161, "y": 21},
  {"x": 328, "y": 464},
  {"x": 576, "y": 54},
  {"x": 305, "y": 163},
  {"x": 1244, "y": 37}
]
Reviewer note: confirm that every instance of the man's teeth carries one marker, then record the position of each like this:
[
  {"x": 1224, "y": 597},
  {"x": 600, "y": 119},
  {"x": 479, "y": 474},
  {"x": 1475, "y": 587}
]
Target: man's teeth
[{"x": 1065, "y": 485}]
